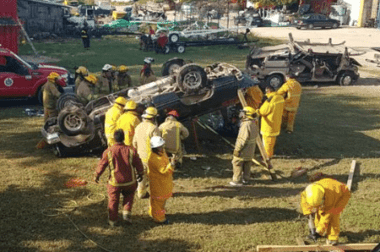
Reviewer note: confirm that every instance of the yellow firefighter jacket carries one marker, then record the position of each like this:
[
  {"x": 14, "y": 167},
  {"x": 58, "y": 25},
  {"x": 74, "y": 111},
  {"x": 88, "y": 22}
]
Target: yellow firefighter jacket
[
  {"x": 160, "y": 176},
  {"x": 50, "y": 95},
  {"x": 106, "y": 85},
  {"x": 271, "y": 115},
  {"x": 335, "y": 200},
  {"x": 254, "y": 97},
  {"x": 128, "y": 123},
  {"x": 141, "y": 140},
  {"x": 85, "y": 92},
  {"x": 173, "y": 132},
  {"x": 110, "y": 121},
  {"x": 246, "y": 139},
  {"x": 291, "y": 90},
  {"x": 123, "y": 80}
]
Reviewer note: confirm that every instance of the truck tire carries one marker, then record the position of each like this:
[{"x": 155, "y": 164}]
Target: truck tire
[
  {"x": 181, "y": 49},
  {"x": 170, "y": 65},
  {"x": 191, "y": 78},
  {"x": 72, "y": 120},
  {"x": 174, "y": 38},
  {"x": 68, "y": 99},
  {"x": 275, "y": 81},
  {"x": 346, "y": 78}
]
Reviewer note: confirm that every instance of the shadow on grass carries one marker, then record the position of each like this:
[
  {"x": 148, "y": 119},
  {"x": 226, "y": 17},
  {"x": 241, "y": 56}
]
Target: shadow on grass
[
  {"x": 237, "y": 216},
  {"x": 358, "y": 237},
  {"x": 33, "y": 219}
]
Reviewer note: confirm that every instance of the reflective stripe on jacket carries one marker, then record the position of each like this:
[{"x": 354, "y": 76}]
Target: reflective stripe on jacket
[
  {"x": 128, "y": 123},
  {"x": 292, "y": 90},
  {"x": 141, "y": 140},
  {"x": 123, "y": 162},
  {"x": 173, "y": 132},
  {"x": 271, "y": 115},
  {"x": 246, "y": 139}
]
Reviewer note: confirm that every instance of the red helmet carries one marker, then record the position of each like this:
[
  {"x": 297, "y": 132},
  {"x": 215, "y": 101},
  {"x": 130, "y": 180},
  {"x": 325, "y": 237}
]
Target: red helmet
[{"x": 173, "y": 113}]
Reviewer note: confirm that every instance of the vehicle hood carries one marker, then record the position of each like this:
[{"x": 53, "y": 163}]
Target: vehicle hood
[{"x": 47, "y": 69}]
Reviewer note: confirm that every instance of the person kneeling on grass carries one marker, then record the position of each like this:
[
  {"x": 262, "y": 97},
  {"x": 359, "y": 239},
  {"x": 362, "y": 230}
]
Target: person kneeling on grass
[
  {"x": 123, "y": 162},
  {"x": 161, "y": 180}
]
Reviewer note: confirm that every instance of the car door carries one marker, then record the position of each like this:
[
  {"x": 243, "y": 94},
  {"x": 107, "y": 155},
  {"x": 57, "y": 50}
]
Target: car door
[
  {"x": 324, "y": 22},
  {"x": 15, "y": 80},
  {"x": 316, "y": 21}
]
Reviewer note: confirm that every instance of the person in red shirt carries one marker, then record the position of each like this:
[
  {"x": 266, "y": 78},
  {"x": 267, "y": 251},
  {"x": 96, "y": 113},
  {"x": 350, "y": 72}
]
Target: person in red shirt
[
  {"x": 151, "y": 31},
  {"x": 126, "y": 169}
]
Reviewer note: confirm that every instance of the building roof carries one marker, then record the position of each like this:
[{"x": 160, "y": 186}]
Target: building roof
[{"x": 48, "y": 3}]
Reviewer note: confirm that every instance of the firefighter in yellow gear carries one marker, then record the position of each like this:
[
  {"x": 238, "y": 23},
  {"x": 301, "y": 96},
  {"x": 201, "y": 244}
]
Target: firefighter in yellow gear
[
  {"x": 141, "y": 141},
  {"x": 123, "y": 79},
  {"x": 291, "y": 90},
  {"x": 106, "y": 80},
  {"x": 173, "y": 132},
  {"x": 254, "y": 97},
  {"x": 80, "y": 73},
  {"x": 326, "y": 198},
  {"x": 50, "y": 95},
  {"x": 244, "y": 147},
  {"x": 112, "y": 116},
  {"x": 146, "y": 73},
  {"x": 161, "y": 180},
  {"x": 86, "y": 89},
  {"x": 128, "y": 121},
  {"x": 271, "y": 117}
]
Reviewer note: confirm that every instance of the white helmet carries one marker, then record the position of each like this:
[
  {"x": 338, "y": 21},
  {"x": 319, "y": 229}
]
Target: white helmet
[
  {"x": 107, "y": 67},
  {"x": 148, "y": 60},
  {"x": 156, "y": 142}
]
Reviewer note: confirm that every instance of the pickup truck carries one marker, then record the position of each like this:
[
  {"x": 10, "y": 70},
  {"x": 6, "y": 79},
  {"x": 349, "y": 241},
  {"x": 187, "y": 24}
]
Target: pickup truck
[{"x": 22, "y": 79}]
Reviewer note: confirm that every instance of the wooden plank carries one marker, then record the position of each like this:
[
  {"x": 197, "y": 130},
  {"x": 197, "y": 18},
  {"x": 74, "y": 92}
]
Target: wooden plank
[
  {"x": 351, "y": 175},
  {"x": 344, "y": 247},
  {"x": 300, "y": 241}
]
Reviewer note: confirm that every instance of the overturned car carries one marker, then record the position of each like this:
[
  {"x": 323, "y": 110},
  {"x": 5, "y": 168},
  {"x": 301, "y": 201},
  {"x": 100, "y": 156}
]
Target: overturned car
[
  {"x": 188, "y": 88},
  {"x": 311, "y": 62}
]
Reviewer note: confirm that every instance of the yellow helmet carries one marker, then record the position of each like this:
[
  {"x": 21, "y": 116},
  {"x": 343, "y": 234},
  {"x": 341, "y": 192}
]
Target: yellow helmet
[
  {"x": 130, "y": 105},
  {"x": 52, "y": 76},
  {"x": 249, "y": 111},
  {"x": 121, "y": 101},
  {"x": 91, "y": 78},
  {"x": 315, "y": 195},
  {"x": 150, "y": 112},
  {"x": 122, "y": 68},
  {"x": 114, "y": 68},
  {"x": 82, "y": 70}
]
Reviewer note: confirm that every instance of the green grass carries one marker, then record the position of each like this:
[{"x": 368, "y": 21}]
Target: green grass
[{"x": 334, "y": 125}]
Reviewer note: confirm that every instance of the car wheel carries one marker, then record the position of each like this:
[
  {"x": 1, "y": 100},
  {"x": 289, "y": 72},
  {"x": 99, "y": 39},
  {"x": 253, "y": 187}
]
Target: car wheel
[
  {"x": 335, "y": 25},
  {"x": 346, "y": 78},
  {"x": 40, "y": 96},
  {"x": 298, "y": 27},
  {"x": 72, "y": 120},
  {"x": 171, "y": 65},
  {"x": 181, "y": 49},
  {"x": 59, "y": 150},
  {"x": 174, "y": 38},
  {"x": 191, "y": 78},
  {"x": 66, "y": 100},
  {"x": 310, "y": 26},
  {"x": 275, "y": 81}
]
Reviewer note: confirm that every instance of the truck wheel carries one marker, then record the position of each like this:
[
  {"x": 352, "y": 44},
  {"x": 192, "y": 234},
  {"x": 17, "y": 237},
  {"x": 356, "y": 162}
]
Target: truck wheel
[
  {"x": 346, "y": 78},
  {"x": 171, "y": 65},
  {"x": 72, "y": 120},
  {"x": 181, "y": 49},
  {"x": 191, "y": 78},
  {"x": 66, "y": 100},
  {"x": 275, "y": 81},
  {"x": 173, "y": 38}
]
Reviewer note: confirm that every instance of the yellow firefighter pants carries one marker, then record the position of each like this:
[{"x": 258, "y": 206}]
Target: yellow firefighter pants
[
  {"x": 157, "y": 209},
  {"x": 242, "y": 169},
  {"x": 288, "y": 118},
  {"x": 269, "y": 142},
  {"x": 142, "y": 187},
  {"x": 333, "y": 227}
]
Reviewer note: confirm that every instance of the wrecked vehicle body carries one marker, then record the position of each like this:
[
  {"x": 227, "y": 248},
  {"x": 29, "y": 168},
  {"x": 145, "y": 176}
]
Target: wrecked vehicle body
[
  {"x": 311, "y": 62},
  {"x": 188, "y": 88}
]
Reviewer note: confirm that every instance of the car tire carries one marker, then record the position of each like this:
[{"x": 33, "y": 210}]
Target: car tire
[
  {"x": 174, "y": 38},
  {"x": 181, "y": 49},
  {"x": 298, "y": 27},
  {"x": 59, "y": 150},
  {"x": 310, "y": 26},
  {"x": 170, "y": 65},
  {"x": 346, "y": 78},
  {"x": 39, "y": 96},
  {"x": 335, "y": 25},
  {"x": 68, "y": 99},
  {"x": 275, "y": 81},
  {"x": 191, "y": 78},
  {"x": 72, "y": 120}
]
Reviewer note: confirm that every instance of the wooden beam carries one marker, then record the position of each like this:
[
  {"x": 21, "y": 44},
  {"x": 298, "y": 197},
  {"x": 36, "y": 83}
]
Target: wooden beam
[
  {"x": 344, "y": 247},
  {"x": 351, "y": 175}
]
